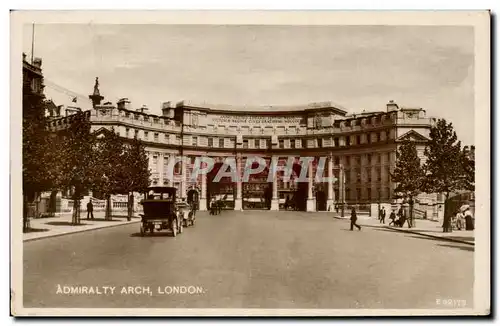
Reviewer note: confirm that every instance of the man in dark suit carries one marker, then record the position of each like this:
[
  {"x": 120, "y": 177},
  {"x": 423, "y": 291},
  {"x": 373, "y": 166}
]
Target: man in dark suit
[
  {"x": 382, "y": 215},
  {"x": 354, "y": 218},
  {"x": 90, "y": 209}
]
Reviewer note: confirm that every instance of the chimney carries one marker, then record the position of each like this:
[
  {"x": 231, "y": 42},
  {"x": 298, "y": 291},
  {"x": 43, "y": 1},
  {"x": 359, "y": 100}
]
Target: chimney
[
  {"x": 144, "y": 108},
  {"x": 24, "y": 56},
  {"x": 392, "y": 106},
  {"x": 123, "y": 103},
  {"x": 165, "y": 109}
]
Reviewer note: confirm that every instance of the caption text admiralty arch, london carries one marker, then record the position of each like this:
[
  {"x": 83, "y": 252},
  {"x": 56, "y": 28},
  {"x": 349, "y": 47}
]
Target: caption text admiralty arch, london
[{"x": 360, "y": 150}]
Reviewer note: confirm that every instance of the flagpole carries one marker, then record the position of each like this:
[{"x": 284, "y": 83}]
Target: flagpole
[{"x": 32, "y": 42}]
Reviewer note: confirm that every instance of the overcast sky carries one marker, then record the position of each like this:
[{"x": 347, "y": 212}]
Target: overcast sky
[{"x": 358, "y": 67}]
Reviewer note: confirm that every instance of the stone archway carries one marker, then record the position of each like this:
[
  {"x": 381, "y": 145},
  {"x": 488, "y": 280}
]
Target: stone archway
[
  {"x": 193, "y": 197},
  {"x": 299, "y": 198},
  {"x": 257, "y": 191},
  {"x": 321, "y": 200},
  {"x": 223, "y": 190}
]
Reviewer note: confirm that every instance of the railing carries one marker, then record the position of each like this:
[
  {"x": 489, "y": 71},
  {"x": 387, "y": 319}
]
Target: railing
[
  {"x": 120, "y": 205},
  {"x": 418, "y": 213}
]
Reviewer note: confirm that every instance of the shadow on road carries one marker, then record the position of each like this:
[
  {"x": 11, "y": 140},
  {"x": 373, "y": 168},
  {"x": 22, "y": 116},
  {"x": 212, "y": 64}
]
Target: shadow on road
[
  {"x": 62, "y": 223},
  {"x": 151, "y": 235},
  {"x": 31, "y": 230},
  {"x": 423, "y": 237},
  {"x": 104, "y": 220},
  {"x": 381, "y": 228},
  {"x": 447, "y": 239},
  {"x": 458, "y": 246}
]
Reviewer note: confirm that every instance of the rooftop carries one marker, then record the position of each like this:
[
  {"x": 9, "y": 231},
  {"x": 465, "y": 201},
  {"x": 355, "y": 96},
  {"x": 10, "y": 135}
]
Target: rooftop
[{"x": 261, "y": 109}]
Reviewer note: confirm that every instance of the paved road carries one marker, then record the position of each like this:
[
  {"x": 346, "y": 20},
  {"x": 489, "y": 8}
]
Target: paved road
[{"x": 251, "y": 260}]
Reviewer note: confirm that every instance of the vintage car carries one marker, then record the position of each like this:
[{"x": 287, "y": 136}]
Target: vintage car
[{"x": 160, "y": 212}]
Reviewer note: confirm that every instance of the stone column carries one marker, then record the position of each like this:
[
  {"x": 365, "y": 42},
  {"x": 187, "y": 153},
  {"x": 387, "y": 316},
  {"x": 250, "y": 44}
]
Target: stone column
[
  {"x": 238, "y": 201},
  {"x": 183, "y": 176},
  {"x": 275, "y": 201},
  {"x": 311, "y": 205},
  {"x": 170, "y": 177},
  {"x": 331, "y": 194},
  {"x": 160, "y": 169},
  {"x": 203, "y": 195}
]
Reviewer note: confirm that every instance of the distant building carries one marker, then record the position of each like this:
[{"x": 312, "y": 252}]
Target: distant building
[
  {"x": 32, "y": 75},
  {"x": 360, "y": 150}
]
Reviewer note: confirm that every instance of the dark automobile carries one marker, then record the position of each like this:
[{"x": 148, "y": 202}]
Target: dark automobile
[{"x": 160, "y": 211}]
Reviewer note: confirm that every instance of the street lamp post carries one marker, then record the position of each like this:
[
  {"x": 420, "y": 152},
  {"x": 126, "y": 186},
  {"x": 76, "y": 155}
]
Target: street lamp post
[
  {"x": 378, "y": 193},
  {"x": 342, "y": 185}
]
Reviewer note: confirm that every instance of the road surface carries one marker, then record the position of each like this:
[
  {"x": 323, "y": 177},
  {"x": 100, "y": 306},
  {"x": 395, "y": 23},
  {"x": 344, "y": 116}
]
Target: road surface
[{"x": 248, "y": 259}]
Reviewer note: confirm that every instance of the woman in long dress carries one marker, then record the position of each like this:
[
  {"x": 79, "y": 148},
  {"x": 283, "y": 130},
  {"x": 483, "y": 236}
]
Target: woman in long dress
[
  {"x": 459, "y": 220},
  {"x": 469, "y": 224}
]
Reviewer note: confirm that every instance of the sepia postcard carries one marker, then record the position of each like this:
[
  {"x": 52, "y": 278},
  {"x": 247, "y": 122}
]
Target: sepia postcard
[{"x": 250, "y": 163}]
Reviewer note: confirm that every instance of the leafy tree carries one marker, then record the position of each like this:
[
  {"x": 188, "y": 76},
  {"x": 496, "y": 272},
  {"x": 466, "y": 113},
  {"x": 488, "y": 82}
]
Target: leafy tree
[
  {"x": 78, "y": 159},
  {"x": 109, "y": 166},
  {"x": 444, "y": 165},
  {"x": 135, "y": 176},
  {"x": 468, "y": 168},
  {"x": 39, "y": 163},
  {"x": 408, "y": 174}
]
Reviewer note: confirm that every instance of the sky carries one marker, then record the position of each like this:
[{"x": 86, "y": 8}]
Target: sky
[{"x": 358, "y": 67}]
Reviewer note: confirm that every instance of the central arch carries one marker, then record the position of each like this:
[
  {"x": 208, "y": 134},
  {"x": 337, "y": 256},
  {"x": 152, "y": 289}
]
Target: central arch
[
  {"x": 223, "y": 190},
  {"x": 193, "y": 198},
  {"x": 257, "y": 192},
  {"x": 299, "y": 197}
]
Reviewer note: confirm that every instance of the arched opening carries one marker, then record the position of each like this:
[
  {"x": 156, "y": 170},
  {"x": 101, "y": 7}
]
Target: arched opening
[
  {"x": 193, "y": 198},
  {"x": 299, "y": 197},
  {"x": 257, "y": 191},
  {"x": 321, "y": 200},
  {"x": 222, "y": 190}
]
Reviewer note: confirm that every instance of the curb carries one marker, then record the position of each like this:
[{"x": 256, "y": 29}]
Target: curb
[
  {"x": 360, "y": 218},
  {"x": 79, "y": 231},
  {"x": 432, "y": 236}
]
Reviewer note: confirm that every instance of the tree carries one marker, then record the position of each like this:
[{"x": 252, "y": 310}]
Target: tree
[
  {"x": 468, "y": 167},
  {"x": 78, "y": 159},
  {"x": 408, "y": 174},
  {"x": 135, "y": 176},
  {"x": 109, "y": 167},
  {"x": 39, "y": 164},
  {"x": 444, "y": 168}
]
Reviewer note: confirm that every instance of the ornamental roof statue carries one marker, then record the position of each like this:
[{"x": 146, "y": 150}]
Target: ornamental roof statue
[{"x": 96, "y": 96}]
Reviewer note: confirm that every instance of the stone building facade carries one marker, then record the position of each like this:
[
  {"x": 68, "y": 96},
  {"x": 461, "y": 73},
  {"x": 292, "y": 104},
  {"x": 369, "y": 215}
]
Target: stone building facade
[{"x": 360, "y": 150}]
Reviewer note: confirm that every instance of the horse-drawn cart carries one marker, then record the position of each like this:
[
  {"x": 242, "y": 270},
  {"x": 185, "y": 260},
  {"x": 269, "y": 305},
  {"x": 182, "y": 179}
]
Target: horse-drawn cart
[{"x": 160, "y": 211}]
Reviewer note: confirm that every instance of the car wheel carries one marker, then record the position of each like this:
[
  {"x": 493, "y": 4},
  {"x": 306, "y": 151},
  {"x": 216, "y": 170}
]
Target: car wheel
[{"x": 141, "y": 231}]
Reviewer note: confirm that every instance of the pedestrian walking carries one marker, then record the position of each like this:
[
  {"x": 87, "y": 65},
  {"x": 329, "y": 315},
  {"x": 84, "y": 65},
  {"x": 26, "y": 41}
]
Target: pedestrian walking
[
  {"x": 382, "y": 215},
  {"x": 392, "y": 218},
  {"x": 212, "y": 206},
  {"x": 219, "y": 206},
  {"x": 194, "y": 208},
  {"x": 354, "y": 218},
  {"x": 90, "y": 209}
]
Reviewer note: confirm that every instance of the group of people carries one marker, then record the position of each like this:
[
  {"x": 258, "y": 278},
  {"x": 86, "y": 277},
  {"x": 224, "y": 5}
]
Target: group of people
[
  {"x": 396, "y": 219},
  {"x": 399, "y": 218},
  {"x": 215, "y": 206},
  {"x": 463, "y": 220}
]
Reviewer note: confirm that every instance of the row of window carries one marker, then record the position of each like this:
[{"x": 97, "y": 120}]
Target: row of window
[
  {"x": 266, "y": 143},
  {"x": 358, "y": 194},
  {"x": 368, "y": 175},
  {"x": 349, "y": 161},
  {"x": 366, "y": 159}
]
